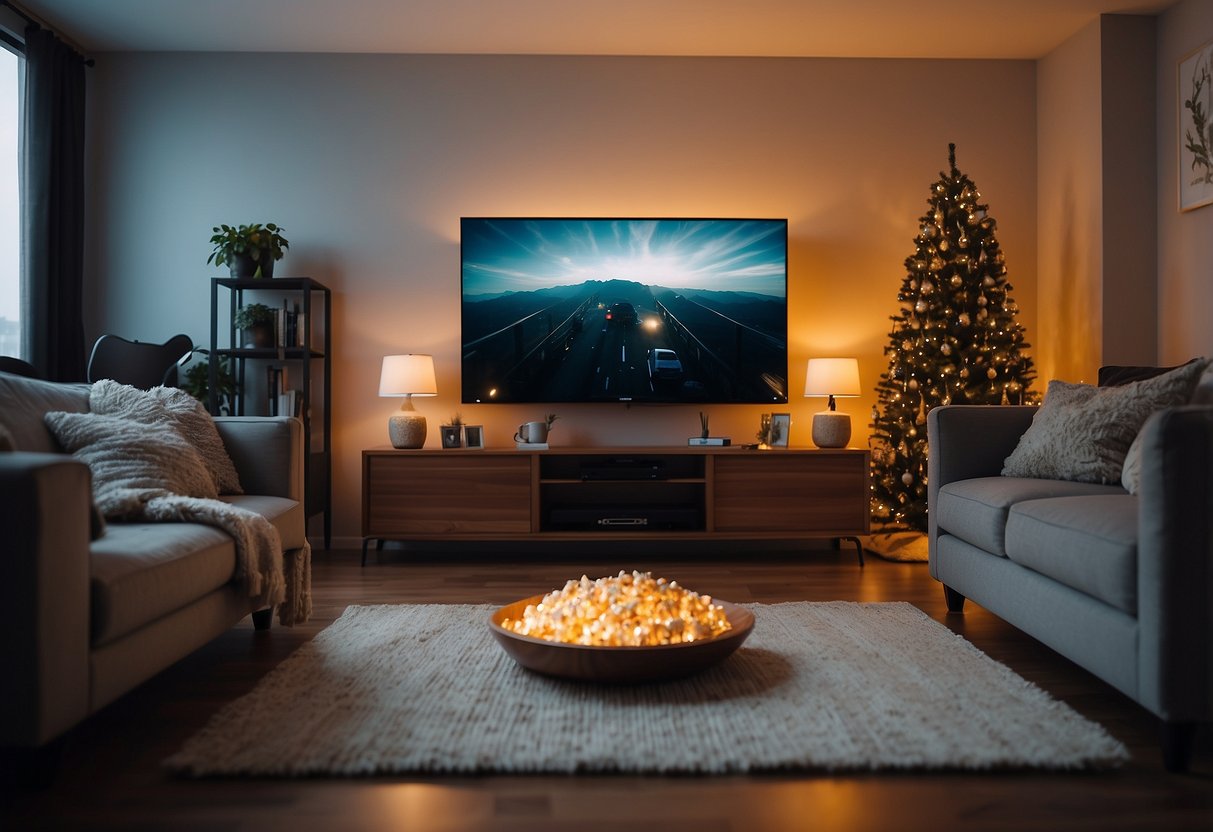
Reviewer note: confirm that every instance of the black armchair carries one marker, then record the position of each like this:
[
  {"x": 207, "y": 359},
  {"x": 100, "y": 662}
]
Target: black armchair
[{"x": 138, "y": 364}]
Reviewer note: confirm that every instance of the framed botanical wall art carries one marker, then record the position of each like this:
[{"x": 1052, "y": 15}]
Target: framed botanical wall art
[{"x": 1195, "y": 131}]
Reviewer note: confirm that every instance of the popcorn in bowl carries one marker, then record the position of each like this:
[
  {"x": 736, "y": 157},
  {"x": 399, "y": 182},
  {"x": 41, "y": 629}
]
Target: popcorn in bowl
[{"x": 629, "y": 610}]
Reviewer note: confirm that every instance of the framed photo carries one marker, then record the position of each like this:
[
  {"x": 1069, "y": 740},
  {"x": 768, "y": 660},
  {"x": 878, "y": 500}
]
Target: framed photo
[
  {"x": 781, "y": 426},
  {"x": 473, "y": 436},
  {"x": 452, "y": 436},
  {"x": 1195, "y": 129}
]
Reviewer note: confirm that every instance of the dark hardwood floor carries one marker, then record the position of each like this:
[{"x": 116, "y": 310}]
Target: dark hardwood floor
[{"x": 110, "y": 777}]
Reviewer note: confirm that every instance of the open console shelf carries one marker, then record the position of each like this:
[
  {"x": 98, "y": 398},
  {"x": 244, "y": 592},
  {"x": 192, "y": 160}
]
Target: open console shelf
[{"x": 595, "y": 493}]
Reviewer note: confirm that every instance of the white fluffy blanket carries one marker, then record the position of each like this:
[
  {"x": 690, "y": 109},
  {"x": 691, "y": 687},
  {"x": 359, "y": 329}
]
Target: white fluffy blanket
[{"x": 143, "y": 469}]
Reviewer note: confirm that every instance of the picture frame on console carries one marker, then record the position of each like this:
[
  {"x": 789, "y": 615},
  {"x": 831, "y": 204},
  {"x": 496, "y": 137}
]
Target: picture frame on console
[
  {"x": 452, "y": 436},
  {"x": 1195, "y": 128},
  {"x": 473, "y": 437},
  {"x": 781, "y": 428}
]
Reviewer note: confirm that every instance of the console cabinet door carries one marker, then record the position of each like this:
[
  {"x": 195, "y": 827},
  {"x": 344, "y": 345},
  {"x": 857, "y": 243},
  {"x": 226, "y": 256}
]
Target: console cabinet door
[
  {"x": 428, "y": 494},
  {"x": 821, "y": 494}
]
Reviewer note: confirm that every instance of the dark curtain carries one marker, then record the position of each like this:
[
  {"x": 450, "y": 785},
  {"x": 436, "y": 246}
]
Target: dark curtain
[{"x": 52, "y": 207}]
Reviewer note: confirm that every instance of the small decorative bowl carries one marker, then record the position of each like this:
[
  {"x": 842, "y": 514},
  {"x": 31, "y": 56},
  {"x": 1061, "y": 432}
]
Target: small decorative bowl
[{"x": 619, "y": 665}]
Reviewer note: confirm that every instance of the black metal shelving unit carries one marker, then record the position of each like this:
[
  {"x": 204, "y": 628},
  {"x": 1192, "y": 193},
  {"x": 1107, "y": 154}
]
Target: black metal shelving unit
[{"x": 311, "y": 356}]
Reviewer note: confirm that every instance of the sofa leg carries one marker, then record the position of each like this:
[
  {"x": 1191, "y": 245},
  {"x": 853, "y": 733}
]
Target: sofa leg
[
  {"x": 954, "y": 600},
  {"x": 262, "y": 619},
  {"x": 1177, "y": 738}
]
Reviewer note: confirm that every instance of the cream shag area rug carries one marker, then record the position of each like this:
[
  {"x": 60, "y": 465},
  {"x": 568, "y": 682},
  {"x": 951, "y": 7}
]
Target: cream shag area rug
[{"x": 837, "y": 685}]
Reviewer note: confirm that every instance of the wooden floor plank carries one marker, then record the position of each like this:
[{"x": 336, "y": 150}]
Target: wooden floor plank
[{"x": 111, "y": 779}]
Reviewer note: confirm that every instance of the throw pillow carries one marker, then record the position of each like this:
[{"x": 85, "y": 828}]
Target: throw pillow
[
  {"x": 198, "y": 428},
  {"x": 170, "y": 405},
  {"x": 1082, "y": 432},
  {"x": 1130, "y": 477},
  {"x": 1203, "y": 394},
  {"x": 131, "y": 462},
  {"x": 6, "y": 439}
]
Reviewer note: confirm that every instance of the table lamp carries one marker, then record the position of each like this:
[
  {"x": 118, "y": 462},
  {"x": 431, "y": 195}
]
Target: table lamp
[
  {"x": 407, "y": 376},
  {"x": 832, "y": 377}
]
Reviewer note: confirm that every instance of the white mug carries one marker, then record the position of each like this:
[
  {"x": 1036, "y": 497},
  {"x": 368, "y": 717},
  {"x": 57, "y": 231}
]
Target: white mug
[{"x": 533, "y": 432}]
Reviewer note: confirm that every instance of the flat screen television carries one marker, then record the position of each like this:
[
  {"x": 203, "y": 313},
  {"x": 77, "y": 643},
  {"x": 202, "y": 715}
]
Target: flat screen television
[{"x": 631, "y": 310}]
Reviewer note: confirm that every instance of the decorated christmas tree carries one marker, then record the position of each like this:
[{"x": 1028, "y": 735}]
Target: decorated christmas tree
[{"x": 955, "y": 340}]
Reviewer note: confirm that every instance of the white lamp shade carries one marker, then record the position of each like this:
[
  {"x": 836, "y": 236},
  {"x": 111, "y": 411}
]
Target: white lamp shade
[
  {"x": 832, "y": 377},
  {"x": 408, "y": 375}
]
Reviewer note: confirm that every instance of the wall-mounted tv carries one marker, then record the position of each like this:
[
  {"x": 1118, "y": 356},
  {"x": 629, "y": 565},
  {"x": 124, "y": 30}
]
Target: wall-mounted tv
[{"x": 632, "y": 310}]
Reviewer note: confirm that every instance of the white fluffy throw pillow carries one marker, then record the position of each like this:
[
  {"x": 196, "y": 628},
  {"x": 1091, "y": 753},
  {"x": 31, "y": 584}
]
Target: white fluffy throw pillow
[
  {"x": 1082, "y": 432},
  {"x": 170, "y": 405},
  {"x": 130, "y": 461}
]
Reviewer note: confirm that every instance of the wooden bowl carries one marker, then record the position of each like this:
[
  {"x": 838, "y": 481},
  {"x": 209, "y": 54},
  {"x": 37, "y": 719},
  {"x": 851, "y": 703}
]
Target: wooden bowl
[{"x": 619, "y": 665}]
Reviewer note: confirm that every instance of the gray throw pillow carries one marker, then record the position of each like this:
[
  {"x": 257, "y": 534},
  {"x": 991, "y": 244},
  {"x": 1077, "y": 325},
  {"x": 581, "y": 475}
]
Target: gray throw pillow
[
  {"x": 1082, "y": 433},
  {"x": 131, "y": 462},
  {"x": 1130, "y": 478}
]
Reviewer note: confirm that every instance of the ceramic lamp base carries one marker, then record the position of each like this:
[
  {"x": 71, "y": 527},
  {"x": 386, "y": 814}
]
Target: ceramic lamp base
[
  {"x": 406, "y": 429},
  {"x": 831, "y": 429}
]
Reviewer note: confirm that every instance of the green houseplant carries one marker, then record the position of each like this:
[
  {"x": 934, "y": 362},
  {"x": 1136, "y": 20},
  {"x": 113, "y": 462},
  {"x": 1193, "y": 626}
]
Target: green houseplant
[
  {"x": 248, "y": 250},
  {"x": 258, "y": 321},
  {"x": 197, "y": 383}
]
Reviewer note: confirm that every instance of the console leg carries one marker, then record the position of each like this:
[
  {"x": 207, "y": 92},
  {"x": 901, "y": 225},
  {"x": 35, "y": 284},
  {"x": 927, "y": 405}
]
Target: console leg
[
  {"x": 262, "y": 619},
  {"x": 954, "y": 600},
  {"x": 858, "y": 546},
  {"x": 365, "y": 542},
  {"x": 1177, "y": 738}
]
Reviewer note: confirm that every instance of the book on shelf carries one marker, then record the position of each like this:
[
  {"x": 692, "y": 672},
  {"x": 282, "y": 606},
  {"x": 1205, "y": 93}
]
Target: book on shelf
[
  {"x": 290, "y": 325},
  {"x": 276, "y": 383},
  {"x": 717, "y": 441},
  {"x": 290, "y": 403},
  {"x": 532, "y": 446}
]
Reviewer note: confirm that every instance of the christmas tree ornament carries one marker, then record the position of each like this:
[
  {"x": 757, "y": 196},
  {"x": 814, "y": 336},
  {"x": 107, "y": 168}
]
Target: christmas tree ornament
[{"x": 960, "y": 328}]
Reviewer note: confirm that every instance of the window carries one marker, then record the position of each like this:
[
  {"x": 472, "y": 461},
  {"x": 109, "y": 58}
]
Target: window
[{"x": 10, "y": 205}]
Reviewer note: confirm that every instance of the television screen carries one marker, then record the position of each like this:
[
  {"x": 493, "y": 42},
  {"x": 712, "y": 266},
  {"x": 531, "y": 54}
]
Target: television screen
[{"x": 633, "y": 310}]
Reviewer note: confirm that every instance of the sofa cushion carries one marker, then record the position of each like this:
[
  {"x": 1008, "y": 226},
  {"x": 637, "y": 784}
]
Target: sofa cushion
[
  {"x": 285, "y": 514},
  {"x": 976, "y": 510},
  {"x": 142, "y": 571},
  {"x": 1087, "y": 543},
  {"x": 1082, "y": 432},
  {"x": 24, "y": 401}
]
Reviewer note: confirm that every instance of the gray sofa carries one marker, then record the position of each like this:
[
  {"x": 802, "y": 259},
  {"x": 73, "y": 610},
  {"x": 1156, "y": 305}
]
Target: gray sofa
[
  {"x": 86, "y": 620},
  {"x": 1121, "y": 584}
]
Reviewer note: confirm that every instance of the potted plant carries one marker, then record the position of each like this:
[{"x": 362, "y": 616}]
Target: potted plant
[
  {"x": 257, "y": 320},
  {"x": 198, "y": 384},
  {"x": 248, "y": 250}
]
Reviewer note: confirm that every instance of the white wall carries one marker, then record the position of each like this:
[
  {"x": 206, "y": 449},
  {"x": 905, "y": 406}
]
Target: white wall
[
  {"x": 1185, "y": 239},
  {"x": 369, "y": 161}
]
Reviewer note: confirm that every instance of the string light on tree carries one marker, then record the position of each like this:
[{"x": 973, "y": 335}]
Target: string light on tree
[{"x": 956, "y": 288}]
